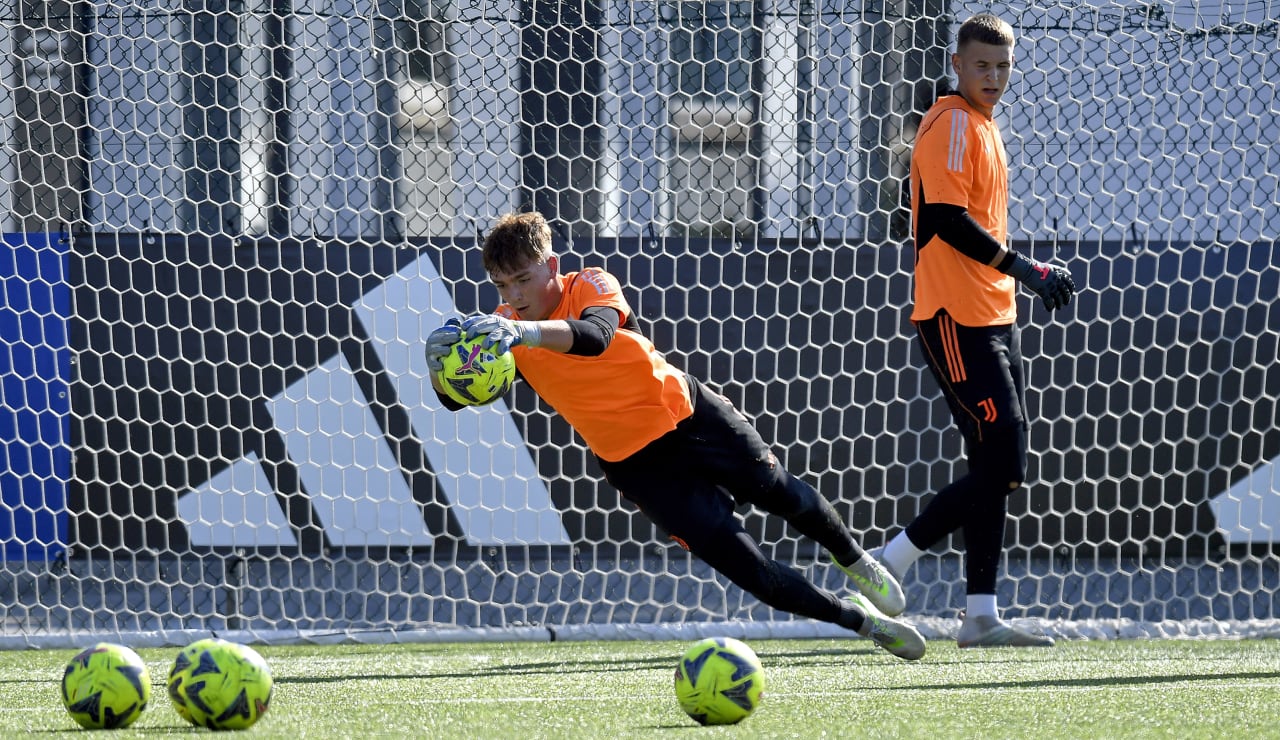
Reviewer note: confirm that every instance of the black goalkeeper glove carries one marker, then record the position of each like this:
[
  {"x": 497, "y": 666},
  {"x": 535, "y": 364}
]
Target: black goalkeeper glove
[{"x": 1052, "y": 283}]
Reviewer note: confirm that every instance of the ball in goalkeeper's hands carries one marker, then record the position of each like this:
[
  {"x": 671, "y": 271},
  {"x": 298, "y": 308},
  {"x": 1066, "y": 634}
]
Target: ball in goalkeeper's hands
[{"x": 475, "y": 376}]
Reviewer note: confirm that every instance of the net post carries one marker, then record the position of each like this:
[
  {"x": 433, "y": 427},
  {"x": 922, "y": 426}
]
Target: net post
[{"x": 232, "y": 581}]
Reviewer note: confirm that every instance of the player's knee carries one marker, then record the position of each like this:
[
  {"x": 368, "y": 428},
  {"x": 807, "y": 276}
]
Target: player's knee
[
  {"x": 1001, "y": 460},
  {"x": 765, "y": 481},
  {"x": 1006, "y": 478}
]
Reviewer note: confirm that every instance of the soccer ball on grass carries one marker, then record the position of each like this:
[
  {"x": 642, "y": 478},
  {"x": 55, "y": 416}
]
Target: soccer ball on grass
[
  {"x": 475, "y": 376},
  {"x": 220, "y": 684},
  {"x": 719, "y": 681},
  {"x": 179, "y": 674},
  {"x": 106, "y": 687}
]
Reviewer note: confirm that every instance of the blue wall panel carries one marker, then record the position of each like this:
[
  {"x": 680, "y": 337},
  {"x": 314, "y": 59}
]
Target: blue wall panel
[{"x": 35, "y": 373}]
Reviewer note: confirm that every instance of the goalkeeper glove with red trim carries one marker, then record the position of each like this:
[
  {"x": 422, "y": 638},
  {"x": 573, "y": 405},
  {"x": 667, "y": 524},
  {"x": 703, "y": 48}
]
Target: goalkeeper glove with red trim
[{"x": 1052, "y": 283}]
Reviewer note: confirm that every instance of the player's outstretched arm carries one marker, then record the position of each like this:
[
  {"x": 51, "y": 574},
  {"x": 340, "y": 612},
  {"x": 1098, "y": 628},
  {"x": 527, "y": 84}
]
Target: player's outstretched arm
[{"x": 557, "y": 335}]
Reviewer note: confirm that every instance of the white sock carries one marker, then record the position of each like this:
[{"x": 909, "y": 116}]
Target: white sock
[
  {"x": 899, "y": 554},
  {"x": 980, "y": 605}
]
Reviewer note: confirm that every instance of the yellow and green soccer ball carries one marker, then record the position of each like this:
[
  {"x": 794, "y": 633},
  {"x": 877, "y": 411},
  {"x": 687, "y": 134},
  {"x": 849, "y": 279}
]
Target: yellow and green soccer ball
[
  {"x": 719, "y": 681},
  {"x": 475, "y": 376},
  {"x": 178, "y": 674},
  {"x": 220, "y": 685},
  {"x": 106, "y": 687}
]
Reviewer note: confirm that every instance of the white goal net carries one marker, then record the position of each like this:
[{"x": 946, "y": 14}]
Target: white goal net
[{"x": 229, "y": 224}]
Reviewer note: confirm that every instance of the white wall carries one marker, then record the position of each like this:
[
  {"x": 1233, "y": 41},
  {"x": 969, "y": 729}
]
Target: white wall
[
  {"x": 1123, "y": 128},
  {"x": 1119, "y": 125}
]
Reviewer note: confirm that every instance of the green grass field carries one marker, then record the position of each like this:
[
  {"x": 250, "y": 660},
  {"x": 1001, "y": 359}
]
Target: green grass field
[{"x": 815, "y": 688}]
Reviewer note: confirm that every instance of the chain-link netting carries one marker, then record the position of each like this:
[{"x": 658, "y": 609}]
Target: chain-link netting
[{"x": 230, "y": 224}]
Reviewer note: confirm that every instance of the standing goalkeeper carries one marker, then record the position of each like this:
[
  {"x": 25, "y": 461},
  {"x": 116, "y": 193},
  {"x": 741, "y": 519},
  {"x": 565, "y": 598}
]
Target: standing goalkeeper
[
  {"x": 965, "y": 316},
  {"x": 672, "y": 446}
]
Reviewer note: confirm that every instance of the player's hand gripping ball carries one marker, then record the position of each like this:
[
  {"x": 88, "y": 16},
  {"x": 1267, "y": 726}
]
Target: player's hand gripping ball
[
  {"x": 475, "y": 376},
  {"x": 719, "y": 681},
  {"x": 106, "y": 687}
]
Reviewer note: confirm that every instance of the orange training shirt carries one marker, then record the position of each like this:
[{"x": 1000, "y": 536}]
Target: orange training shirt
[
  {"x": 618, "y": 401},
  {"x": 959, "y": 159}
]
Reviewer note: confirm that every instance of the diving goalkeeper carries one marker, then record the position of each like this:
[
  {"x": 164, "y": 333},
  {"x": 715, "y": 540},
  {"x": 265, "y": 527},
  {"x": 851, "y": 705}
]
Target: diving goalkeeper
[{"x": 672, "y": 446}]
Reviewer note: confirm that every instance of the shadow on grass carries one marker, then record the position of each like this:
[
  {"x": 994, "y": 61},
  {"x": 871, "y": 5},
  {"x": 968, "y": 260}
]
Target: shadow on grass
[
  {"x": 620, "y": 665},
  {"x": 503, "y": 669}
]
